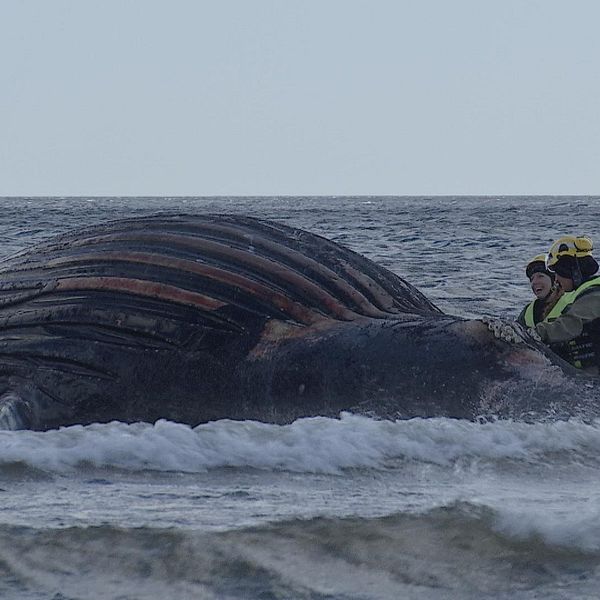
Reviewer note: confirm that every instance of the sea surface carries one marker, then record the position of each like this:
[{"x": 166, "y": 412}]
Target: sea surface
[{"x": 347, "y": 508}]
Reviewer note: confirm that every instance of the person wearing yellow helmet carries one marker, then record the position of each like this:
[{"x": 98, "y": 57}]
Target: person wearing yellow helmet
[
  {"x": 572, "y": 328},
  {"x": 545, "y": 291}
]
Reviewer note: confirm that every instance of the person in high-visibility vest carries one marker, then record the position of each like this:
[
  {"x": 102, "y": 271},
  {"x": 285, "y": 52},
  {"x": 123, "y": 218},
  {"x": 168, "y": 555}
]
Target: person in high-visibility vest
[
  {"x": 572, "y": 328},
  {"x": 546, "y": 292}
]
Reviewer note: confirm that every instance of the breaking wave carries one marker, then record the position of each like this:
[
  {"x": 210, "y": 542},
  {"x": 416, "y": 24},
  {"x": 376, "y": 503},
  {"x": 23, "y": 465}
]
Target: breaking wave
[{"x": 311, "y": 445}]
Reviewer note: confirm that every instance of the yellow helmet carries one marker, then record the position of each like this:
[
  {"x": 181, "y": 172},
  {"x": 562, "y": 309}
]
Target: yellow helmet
[
  {"x": 569, "y": 245},
  {"x": 537, "y": 265}
]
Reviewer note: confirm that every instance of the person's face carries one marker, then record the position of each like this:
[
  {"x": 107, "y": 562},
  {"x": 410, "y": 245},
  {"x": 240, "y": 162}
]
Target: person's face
[
  {"x": 541, "y": 284},
  {"x": 565, "y": 283}
]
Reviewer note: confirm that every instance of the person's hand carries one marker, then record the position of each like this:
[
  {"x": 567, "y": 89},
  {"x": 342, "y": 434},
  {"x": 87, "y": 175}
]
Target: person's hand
[{"x": 534, "y": 334}]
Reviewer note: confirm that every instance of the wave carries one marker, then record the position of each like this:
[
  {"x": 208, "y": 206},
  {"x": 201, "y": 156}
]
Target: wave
[
  {"x": 462, "y": 550},
  {"x": 311, "y": 445}
]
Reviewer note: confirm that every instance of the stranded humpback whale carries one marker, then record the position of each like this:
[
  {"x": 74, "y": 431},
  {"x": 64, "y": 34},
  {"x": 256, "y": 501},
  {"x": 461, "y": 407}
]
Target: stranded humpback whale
[{"x": 198, "y": 318}]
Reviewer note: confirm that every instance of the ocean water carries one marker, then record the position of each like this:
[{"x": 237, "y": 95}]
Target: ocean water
[{"x": 348, "y": 508}]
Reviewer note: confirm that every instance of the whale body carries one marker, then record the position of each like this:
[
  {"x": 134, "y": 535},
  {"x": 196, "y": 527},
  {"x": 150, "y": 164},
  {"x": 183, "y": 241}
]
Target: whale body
[{"x": 199, "y": 318}]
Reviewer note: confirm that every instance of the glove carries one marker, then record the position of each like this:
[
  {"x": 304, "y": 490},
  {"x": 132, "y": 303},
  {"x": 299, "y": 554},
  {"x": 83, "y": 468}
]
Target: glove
[{"x": 534, "y": 334}]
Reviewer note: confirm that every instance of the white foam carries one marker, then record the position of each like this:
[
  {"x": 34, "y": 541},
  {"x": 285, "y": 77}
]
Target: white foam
[
  {"x": 308, "y": 445},
  {"x": 572, "y": 526}
]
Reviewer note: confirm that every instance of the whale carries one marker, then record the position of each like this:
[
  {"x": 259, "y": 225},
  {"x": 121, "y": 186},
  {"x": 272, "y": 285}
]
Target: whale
[{"x": 196, "y": 318}]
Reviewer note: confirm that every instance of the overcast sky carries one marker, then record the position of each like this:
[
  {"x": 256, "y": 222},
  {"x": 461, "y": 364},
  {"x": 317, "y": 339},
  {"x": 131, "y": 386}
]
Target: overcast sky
[{"x": 299, "y": 97}]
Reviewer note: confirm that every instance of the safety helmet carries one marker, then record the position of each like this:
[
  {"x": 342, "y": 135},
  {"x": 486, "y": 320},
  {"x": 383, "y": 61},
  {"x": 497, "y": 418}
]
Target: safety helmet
[
  {"x": 577, "y": 247},
  {"x": 537, "y": 265}
]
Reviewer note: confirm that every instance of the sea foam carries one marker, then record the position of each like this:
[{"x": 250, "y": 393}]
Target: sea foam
[{"x": 312, "y": 445}]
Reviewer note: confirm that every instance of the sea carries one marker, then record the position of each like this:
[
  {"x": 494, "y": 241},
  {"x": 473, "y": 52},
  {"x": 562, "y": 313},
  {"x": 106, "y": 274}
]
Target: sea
[{"x": 340, "y": 508}]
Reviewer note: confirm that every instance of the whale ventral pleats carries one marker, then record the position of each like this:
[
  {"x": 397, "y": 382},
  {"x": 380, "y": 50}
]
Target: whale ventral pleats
[{"x": 224, "y": 267}]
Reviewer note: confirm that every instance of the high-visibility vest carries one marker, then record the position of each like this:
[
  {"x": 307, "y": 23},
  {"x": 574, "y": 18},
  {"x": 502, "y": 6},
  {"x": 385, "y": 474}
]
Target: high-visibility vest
[
  {"x": 584, "y": 350},
  {"x": 529, "y": 312},
  {"x": 568, "y": 298}
]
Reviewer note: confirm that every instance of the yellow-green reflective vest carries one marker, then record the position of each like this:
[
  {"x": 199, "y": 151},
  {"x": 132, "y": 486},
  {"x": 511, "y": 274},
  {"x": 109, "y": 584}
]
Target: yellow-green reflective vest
[
  {"x": 529, "y": 312},
  {"x": 583, "y": 351}
]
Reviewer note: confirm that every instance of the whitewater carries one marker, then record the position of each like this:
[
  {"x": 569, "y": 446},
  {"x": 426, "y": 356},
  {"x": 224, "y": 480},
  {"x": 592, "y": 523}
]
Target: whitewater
[{"x": 346, "y": 508}]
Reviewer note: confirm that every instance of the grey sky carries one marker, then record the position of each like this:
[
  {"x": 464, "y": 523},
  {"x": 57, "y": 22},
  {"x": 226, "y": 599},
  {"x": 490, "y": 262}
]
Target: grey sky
[{"x": 252, "y": 97}]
